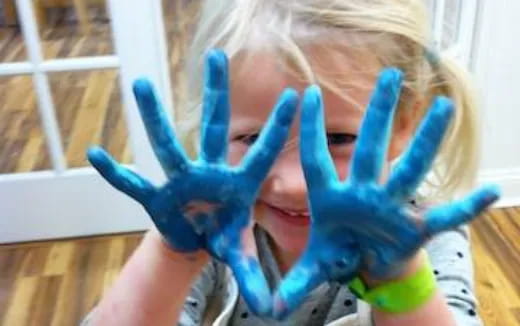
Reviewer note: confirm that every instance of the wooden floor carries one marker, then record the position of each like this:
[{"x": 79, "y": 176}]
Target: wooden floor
[
  {"x": 56, "y": 283},
  {"x": 88, "y": 104}
]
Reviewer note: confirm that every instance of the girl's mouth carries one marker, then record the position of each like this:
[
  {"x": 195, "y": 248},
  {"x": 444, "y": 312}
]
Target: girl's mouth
[{"x": 299, "y": 218}]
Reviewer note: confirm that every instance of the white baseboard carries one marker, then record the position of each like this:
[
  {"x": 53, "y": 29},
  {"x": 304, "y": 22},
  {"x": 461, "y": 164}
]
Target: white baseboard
[{"x": 509, "y": 182}]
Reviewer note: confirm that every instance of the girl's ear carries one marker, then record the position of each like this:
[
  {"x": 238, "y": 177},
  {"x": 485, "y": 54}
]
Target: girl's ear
[{"x": 405, "y": 124}]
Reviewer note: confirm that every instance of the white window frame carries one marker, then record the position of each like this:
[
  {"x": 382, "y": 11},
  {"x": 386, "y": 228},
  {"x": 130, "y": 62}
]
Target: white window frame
[
  {"x": 65, "y": 202},
  {"x": 463, "y": 47}
]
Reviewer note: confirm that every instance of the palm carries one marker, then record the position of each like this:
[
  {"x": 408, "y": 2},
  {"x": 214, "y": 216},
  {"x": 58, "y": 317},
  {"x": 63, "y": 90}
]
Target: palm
[
  {"x": 197, "y": 204},
  {"x": 382, "y": 228},
  {"x": 359, "y": 224},
  {"x": 205, "y": 204}
]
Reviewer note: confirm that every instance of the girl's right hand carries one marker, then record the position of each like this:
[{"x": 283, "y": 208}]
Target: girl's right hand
[{"x": 206, "y": 204}]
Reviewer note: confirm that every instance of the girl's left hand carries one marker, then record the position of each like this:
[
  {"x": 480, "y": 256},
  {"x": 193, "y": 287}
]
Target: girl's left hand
[{"x": 359, "y": 225}]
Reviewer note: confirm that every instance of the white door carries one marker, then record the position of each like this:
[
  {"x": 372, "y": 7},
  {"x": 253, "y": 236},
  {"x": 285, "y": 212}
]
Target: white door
[
  {"x": 454, "y": 26},
  {"x": 65, "y": 197},
  {"x": 497, "y": 68}
]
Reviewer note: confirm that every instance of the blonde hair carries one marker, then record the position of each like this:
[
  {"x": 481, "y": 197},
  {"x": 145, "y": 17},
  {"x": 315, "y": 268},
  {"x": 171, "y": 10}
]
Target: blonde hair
[{"x": 397, "y": 32}]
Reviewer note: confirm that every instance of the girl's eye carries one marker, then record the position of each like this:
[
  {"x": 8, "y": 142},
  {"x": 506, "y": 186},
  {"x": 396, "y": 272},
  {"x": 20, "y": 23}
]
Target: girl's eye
[
  {"x": 340, "y": 139},
  {"x": 248, "y": 139},
  {"x": 332, "y": 139}
]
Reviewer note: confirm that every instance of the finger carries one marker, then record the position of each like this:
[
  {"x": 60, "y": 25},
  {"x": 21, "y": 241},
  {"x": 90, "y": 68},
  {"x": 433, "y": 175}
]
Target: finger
[
  {"x": 372, "y": 143},
  {"x": 120, "y": 177},
  {"x": 215, "y": 108},
  {"x": 169, "y": 152},
  {"x": 303, "y": 277},
  {"x": 418, "y": 159},
  {"x": 260, "y": 157},
  {"x": 460, "y": 212},
  {"x": 317, "y": 163}
]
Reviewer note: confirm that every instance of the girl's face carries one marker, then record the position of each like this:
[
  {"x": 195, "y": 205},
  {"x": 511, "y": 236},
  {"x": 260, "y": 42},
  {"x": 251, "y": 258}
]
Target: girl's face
[{"x": 282, "y": 208}]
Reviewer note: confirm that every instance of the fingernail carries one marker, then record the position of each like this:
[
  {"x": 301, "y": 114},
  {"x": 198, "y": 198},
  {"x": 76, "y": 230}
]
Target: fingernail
[
  {"x": 391, "y": 77},
  {"x": 444, "y": 106},
  {"x": 493, "y": 192},
  {"x": 216, "y": 68},
  {"x": 279, "y": 308},
  {"x": 313, "y": 95},
  {"x": 289, "y": 99},
  {"x": 143, "y": 88}
]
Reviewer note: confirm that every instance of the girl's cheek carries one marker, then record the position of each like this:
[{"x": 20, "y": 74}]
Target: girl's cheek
[
  {"x": 236, "y": 153},
  {"x": 342, "y": 168},
  {"x": 342, "y": 163}
]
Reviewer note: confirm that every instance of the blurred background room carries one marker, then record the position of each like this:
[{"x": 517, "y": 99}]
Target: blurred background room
[{"x": 66, "y": 69}]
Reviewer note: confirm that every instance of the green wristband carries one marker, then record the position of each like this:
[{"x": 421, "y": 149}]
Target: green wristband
[{"x": 399, "y": 296}]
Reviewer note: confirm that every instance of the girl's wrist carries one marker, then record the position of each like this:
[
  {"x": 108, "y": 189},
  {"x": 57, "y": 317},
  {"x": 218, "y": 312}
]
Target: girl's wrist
[
  {"x": 196, "y": 260},
  {"x": 410, "y": 267},
  {"x": 402, "y": 293}
]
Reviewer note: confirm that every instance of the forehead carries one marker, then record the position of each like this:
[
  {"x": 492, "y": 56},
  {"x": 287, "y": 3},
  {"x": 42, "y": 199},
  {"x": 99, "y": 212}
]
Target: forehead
[{"x": 346, "y": 79}]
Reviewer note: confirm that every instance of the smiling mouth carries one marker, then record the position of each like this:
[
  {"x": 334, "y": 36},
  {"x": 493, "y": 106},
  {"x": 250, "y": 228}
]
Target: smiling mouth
[{"x": 300, "y": 218}]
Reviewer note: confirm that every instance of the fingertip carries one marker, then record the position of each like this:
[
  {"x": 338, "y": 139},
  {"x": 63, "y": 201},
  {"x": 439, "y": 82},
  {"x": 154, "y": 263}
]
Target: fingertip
[
  {"x": 260, "y": 305},
  {"x": 491, "y": 193},
  {"x": 391, "y": 77},
  {"x": 287, "y": 106},
  {"x": 280, "y": 308},
  {"x": 312, "y": 103},
  {"x": 312, "y": 95},
  {"x": 290, "y": 95},
  {"x": 253, "y": 285},
  {"x": 291, "y": 292},
  {"x": 101, "y": 160},
  {"x": 444, "y": 106},
  {"x": 96, "y": 154},
  {"x": 216, "y": 69},
  {"x": 217, "y": 56},
  {"x": 142, "y": 87},
  {"x": 314, "y": 89}
]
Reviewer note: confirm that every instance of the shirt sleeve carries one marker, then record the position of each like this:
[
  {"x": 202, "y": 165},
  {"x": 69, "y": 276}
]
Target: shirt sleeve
[
  {"x": 450, "y": 256},
  {"x": 203, "y": 293}
]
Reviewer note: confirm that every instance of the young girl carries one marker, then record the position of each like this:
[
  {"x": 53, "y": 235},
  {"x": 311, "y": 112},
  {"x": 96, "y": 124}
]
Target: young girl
[{"x": 317, "y": 200}]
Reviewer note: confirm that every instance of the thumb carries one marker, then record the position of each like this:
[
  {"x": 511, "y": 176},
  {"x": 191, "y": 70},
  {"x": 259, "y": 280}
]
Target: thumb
[
  {"x": 252, "y": 284},
  {"x": 304, "y": 277},
  {"x": 241, "y": 257}
]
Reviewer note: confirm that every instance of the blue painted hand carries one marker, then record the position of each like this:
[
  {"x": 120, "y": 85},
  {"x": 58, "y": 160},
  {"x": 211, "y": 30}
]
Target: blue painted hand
[
  {"x": 358, "y": 224},
  {"x": 206, "y": 204}
]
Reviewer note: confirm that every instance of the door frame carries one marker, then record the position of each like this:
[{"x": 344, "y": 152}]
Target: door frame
[{"x": 65, "y": 202}]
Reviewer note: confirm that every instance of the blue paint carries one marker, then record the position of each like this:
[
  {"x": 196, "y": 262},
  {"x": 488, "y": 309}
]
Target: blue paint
[
  {"x": 359, "y": 224},
  {"x": 205, "y": 204}
]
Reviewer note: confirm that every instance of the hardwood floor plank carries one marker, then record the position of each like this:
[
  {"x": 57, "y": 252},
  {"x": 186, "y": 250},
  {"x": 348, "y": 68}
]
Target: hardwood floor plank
[
  {"x": 34, "y": 261},
  {"x": 496, "y": 295},
  {"x": 32, "y": 150},
  {"x": 44, "y": 301},
  {"x": 11, "y": 259},
  {"x": 20, "y": 306},
  {"x": 91, "y": 115},
  {"x": 59, "y": 258},
  {"x": 115, "y": 261},
  {"x": 503, "y": 251}
]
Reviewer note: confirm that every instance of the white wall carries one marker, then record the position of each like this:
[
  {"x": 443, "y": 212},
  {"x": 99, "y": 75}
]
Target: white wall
[{"x": 497, "y": 67}]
